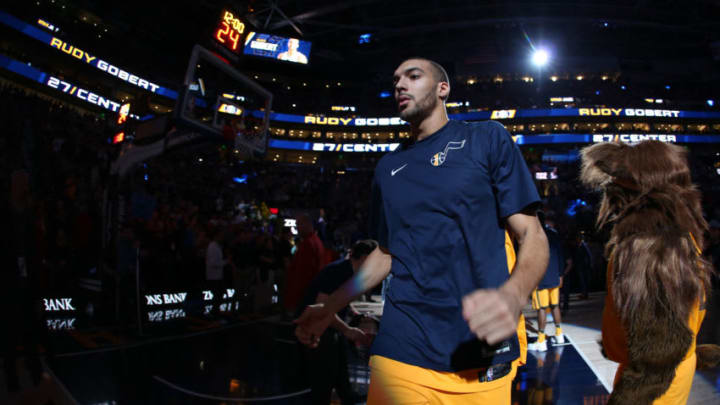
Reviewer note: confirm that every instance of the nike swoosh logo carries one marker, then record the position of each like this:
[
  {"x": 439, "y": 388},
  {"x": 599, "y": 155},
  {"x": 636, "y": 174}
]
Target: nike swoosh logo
[{"x": 394, "y": 171}]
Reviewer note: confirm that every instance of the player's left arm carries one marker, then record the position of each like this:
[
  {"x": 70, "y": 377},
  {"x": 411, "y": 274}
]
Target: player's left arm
[
  {"x": 492, "y": 314},
  {"x": 533, "y": 254}
]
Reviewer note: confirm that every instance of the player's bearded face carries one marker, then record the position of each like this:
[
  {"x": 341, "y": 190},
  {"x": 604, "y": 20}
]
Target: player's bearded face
[
  {"x": 420, "y": 106},
  {"x": 415, "y": 90}
]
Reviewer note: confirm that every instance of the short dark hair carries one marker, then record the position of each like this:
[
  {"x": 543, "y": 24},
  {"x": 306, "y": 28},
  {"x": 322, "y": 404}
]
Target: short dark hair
[
  {"x": 362, "y": 248},
  {"x": 439, "y": 73}
]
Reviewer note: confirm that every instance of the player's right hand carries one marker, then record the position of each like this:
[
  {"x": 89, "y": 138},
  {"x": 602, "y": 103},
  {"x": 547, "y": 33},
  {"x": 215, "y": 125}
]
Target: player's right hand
[{"x": 312, "y": 323}]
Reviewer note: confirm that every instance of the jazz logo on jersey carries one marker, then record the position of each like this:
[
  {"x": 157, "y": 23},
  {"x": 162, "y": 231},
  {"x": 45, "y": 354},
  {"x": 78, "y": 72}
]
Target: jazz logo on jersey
[{"x": 439, "y": 158}]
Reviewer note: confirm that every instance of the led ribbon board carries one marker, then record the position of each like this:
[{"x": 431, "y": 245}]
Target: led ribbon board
[
  {"x": 85, "y": 56},
  {"x": 82, "y": 94},
  {"x": 276, "y": 47},
  {"x": 494, "y": 114},
  {"x": 547, "y": 139},
  {"x": 354, "y": 147},
  {"x": 582, "y": 112},
  {"x": 106, "y": 67},
  {"x": 332, "y": 147},
  {"x": 58, "y": 84},
  {"x": 331, "y": 121}
]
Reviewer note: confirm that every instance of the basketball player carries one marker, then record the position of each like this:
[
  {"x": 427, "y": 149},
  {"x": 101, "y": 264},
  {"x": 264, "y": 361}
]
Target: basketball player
[
  {"x": 442, "y": 208},
  {"x": 547, "y": 295}
]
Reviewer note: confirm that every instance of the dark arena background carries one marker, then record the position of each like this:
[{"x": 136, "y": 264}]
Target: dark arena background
[{"x": 158, "y": 158}]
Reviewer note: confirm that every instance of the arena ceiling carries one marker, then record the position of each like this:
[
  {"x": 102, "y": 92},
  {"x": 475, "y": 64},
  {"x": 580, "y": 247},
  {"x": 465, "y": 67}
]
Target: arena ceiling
[
  {"x": 498, "y": 25},
  {"x": 655, "y": 36}
]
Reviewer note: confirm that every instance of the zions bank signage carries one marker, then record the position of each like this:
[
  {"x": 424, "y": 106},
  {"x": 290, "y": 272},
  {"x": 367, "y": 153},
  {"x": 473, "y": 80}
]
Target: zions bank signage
[
  {"x": 174, "y": 298},
  {"x": 165, "y": 299},
  {"x": 58, "y": 304}
]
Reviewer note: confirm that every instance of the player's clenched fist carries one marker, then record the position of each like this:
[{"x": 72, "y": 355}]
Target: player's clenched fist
[{"x": 492, "y": 314}]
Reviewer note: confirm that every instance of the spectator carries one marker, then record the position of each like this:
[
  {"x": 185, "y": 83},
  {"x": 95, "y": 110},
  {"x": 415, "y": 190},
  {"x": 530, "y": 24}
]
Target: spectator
[
  {"x": 214, "y": 262},
  {"x": 307, "y": 262},
  {"x": 328, "y": 362},
  {"x": 580, "y": 266}
]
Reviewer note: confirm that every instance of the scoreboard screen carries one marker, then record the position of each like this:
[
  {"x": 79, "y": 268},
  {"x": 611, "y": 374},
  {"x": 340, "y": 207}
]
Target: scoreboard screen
[
  {"x": 230, "y": 32},
  {"x": 276, "y": 47}
]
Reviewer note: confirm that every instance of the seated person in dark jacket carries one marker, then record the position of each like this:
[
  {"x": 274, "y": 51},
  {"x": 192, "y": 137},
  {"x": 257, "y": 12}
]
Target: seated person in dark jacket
[{"x": 328, "y": 362}]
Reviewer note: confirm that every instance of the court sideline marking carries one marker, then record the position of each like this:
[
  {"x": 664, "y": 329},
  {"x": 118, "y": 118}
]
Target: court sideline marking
[{"x": 592, "y": 367}]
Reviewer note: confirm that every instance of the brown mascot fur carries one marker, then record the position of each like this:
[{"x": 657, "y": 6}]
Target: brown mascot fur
[{"x": 652, "y": 207}]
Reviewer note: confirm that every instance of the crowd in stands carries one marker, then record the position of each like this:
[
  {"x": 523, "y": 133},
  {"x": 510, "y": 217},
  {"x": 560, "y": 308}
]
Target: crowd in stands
[
  {"x": 56, "y": 169},
  {"x": 509, "y": 94},
  {"x": 54, "y": 159}
]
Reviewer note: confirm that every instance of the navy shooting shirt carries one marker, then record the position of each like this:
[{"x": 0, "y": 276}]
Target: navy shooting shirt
[{"x": 438, "y": 205}]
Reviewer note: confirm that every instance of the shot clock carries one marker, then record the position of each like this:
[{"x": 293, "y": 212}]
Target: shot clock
[{"x": 230, "y": 32}]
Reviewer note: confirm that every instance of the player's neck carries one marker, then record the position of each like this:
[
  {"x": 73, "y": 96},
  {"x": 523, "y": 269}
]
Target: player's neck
[{"x": 429, "y": 125}]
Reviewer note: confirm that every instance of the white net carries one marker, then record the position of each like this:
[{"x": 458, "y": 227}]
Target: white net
[{"x": 250, "y": 143}]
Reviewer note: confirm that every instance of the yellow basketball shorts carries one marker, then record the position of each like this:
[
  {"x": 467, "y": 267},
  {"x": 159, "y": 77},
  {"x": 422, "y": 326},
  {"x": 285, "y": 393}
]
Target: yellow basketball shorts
[
  {"x": 396, "y": 383},
  {"x": 549, "y": 297}
]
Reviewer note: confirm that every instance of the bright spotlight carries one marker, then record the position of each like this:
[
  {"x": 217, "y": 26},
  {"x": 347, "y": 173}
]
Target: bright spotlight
[{"x": 540, "y": 57}]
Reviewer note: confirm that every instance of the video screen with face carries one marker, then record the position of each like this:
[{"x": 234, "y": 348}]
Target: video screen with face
[{"x": 275, "y": 47}]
